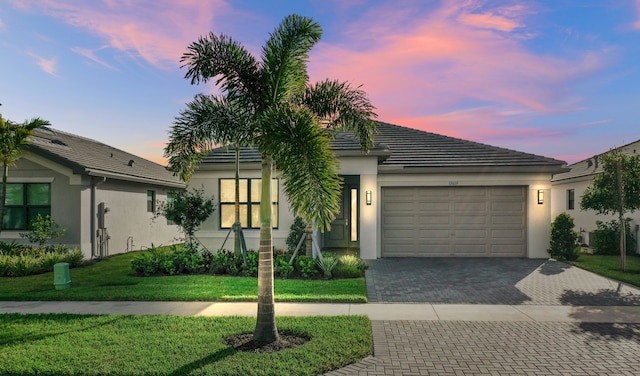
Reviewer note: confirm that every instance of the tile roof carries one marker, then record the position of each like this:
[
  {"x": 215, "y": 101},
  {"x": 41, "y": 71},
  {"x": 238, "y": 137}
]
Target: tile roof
[
  {"x": 592, "y": 166},
  {"x": 89, "y": 157},
  {"x": 406, "y": 150}
]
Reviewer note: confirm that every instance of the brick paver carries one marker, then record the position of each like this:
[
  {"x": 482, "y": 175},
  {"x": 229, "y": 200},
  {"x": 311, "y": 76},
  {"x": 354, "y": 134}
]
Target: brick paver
[
  {"x": 500, "y": 348},
  {"x": 491, "y": 281}
]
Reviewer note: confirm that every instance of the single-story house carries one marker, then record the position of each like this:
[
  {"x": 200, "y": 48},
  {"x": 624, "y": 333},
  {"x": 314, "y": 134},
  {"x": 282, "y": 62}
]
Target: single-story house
[
  {"x": 104, "y": 197},
  {"x": 568, "y": 187},
  {"x": 415, "y": 194}
]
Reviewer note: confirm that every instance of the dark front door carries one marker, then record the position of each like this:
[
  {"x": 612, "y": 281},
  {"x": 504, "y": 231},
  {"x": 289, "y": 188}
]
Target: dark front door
[{"x": 345, "y": 229}]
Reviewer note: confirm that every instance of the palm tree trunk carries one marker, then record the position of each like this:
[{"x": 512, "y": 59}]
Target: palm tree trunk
[
  {"x": 623, "y": 251},
  {"x": 236, "y": 223},
  {"x": 266, "y": 331},
  {"x": 5, "y": 172},
  {"x": 309, "y": 245}
]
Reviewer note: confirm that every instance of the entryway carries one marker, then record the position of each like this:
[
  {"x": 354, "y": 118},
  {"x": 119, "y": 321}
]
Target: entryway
[{"x": 344, "y": 235}]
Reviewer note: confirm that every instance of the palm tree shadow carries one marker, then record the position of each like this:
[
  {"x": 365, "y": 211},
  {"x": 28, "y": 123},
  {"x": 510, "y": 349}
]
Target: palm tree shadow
[
  {"x": 198, "y": 364},
  {"x": 8, "y": 339}
]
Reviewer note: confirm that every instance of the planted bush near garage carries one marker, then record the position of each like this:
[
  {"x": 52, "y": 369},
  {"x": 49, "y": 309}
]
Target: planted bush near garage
[{"x": 178, "y": 259}]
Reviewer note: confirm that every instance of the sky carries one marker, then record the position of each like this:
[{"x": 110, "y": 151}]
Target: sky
[{"x": 558, "y": 78}]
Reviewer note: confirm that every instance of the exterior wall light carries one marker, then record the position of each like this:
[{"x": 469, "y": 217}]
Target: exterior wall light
[
  {"x": 368, "y": 197},
  {"x": 540, "y": 196}
]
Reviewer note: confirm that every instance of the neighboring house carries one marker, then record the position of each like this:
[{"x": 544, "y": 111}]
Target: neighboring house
[
  {"x": 104, "y": 197},
  {"x": 567, "y": 189},
  {"x": 415, "y": 194}
]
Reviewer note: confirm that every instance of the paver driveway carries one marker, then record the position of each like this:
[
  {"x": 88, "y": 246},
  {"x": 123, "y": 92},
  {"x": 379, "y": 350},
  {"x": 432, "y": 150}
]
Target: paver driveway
[
  {"x": 492, "y": 281},
  {"x": 495, "y": 347}
]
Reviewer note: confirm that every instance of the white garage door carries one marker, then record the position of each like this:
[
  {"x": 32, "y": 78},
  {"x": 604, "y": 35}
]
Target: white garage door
[{"x": 454, "y": 221}]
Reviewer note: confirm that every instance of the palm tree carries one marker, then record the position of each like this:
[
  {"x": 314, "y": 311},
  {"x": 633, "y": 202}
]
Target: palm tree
[
  {"x": 270, "y": 105},
  {"x": 14, "y": 139}
]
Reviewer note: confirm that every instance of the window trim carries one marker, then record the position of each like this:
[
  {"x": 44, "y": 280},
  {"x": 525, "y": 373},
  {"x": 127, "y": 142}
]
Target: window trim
[{"x": 248, "y": 203}]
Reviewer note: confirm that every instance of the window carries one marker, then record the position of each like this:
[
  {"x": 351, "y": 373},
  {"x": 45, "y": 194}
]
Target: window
[
  {"x": 151, "y": 201},
  {"x": 24, "y": 202},
  {"x": 250, "y": 190},
  {"x": 171, "y": 196},
  {"x": 354, "y": 214},
  {"x": 571, "y": 194}
]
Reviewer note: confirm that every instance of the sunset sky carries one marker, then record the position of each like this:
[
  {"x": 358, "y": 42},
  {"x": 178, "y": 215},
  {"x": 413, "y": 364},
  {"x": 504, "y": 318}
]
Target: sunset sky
[{"x": 559, "y": 78}]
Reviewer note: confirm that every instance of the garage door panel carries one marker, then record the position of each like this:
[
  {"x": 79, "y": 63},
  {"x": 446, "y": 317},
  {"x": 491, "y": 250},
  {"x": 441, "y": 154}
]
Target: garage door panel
[
  {"x": 399, "y": 206},
  {"x": 502, "y": 219},
  {"x": 402, "y": 219},
  {"x": 471, "y": 220},
  {"x": 454, "y": 221}
]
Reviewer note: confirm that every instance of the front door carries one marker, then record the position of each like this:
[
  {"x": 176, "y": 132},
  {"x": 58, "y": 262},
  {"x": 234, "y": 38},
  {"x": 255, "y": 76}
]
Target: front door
[{"x": 345, "y": 228}]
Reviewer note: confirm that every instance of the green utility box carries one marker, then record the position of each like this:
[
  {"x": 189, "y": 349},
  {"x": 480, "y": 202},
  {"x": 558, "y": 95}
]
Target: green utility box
[{"x": 61, "y": 278}]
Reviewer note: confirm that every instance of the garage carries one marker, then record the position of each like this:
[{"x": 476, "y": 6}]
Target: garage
[{"x": 454, "y": 221}]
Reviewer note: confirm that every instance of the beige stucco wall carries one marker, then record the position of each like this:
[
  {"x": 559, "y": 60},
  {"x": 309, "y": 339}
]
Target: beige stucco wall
[
  {"x": 71, "y": 207},
  {"x": 583, "y": 219}
]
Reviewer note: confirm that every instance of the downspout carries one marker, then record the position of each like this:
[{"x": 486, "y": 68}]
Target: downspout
[{"x": 93, "y": 233}]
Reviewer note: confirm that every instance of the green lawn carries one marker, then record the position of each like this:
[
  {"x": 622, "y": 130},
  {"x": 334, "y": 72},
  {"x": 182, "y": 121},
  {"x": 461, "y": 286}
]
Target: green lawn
[
  {"x": 171, "y": 345},
  {"x": 609, "y": 266},
  {"x": 111, "y": 279}
]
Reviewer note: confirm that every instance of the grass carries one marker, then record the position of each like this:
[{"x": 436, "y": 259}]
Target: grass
[
  {"x": 64, "y": 344},
  {"x": 111, "y": 279},
  {"x": 609, "y": 266}
]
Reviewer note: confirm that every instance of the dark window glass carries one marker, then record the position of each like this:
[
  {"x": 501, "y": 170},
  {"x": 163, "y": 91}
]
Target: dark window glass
[
  {"x": 570, "y": 199},
  {"x": 151, "y": 201},
  {"x": 24, "y": 202}
]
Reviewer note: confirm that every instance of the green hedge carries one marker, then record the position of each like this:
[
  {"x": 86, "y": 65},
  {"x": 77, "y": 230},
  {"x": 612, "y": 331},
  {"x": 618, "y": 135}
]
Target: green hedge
[
  {"x": 20, "y": 260},
  {"x": 177, "y": 259}
]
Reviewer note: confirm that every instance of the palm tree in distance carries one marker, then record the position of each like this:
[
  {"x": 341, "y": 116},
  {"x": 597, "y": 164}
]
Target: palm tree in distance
[
  {"x": 270, "y": 105},
  {"x": 14, "y": 139}
]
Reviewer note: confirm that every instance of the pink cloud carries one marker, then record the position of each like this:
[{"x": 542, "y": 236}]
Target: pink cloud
[
  {"x": 47, "y": 65},
  {"x": 636, "y": 25},
  {"x": 427, "y": 67},
  {"x": 154, "y": 31},
  {"x": 91, "y": 55}
]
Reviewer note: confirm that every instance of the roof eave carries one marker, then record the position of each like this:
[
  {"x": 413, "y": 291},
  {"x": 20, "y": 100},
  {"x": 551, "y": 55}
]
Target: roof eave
[{"x": 401, "y": 169}]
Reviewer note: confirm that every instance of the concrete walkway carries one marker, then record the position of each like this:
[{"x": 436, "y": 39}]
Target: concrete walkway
[{"x": 375, "y": 311}]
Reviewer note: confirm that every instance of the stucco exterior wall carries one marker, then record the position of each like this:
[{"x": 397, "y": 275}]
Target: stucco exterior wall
[
  {"x": 584, "y": 219},
  {"x": 71, "y": 207},
  {"x": 128, "y": 220}
]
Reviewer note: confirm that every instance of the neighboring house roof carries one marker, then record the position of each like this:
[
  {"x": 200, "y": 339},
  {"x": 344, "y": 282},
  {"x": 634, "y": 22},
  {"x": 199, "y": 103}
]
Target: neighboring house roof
[
  {"x": 407, "y": 150},
  {"x": 89, "y": 157},
  {"x": 593, "y": 165}
]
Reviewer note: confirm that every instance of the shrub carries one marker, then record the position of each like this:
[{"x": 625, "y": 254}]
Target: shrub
[
  {"x": 306, "y": 267},
  {"x": 74, "y": 257},
  {"x": 607, "y": 238},
  {"x": 298, "y": 228},
  {"x": 353, "y": 261},
  {"x": 347, "y": 271},
  {"x": 23, "y": 265},
  {"x": 563, "y": 238},
  {"x": 326, "y": 264},
  {"x": 5, "y": 262},
  {"x": 42, "y": 229},
  {"x": 281, "y": 266},
  {"x": 226, "y": 262},
  {"x": 250, "y": 266},
  {"x": 172, "y": 260}
]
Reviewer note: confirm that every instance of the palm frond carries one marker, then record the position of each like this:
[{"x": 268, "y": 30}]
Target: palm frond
[
  {"x": 285, "y": 56},
  {"x": 218, "y": 56},
  {"x": 301, "y": 150},
  {"x": 208, "y": 121},
  {"x": 342, "y": 107}
]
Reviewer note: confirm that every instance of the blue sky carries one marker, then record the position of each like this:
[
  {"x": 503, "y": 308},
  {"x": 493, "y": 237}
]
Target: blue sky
[{"x": 557, "y": 78}]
